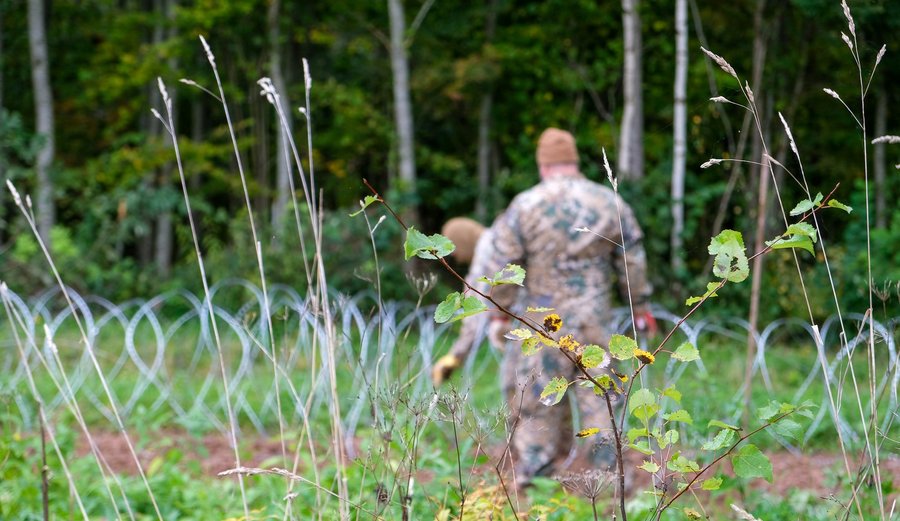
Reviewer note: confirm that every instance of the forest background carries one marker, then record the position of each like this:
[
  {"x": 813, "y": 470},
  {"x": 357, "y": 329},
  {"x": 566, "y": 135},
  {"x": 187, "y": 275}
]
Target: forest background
[{"x": 453, "y": 136}]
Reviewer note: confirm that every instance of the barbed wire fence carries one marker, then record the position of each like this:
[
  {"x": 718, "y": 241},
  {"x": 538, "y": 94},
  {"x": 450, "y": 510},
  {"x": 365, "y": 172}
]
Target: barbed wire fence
[{"x": 148, "y": 348}]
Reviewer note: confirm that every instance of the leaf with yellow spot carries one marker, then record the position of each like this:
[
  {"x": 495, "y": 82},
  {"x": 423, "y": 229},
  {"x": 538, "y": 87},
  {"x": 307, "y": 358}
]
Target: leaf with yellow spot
[{"x": 587, "y": 433}]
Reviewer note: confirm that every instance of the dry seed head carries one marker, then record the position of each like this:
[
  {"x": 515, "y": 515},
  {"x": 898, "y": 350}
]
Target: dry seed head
[
  {"x": 847, "y": 40},
  {"x": 831, "y": 93},
  {"x": 749, "y": 92},
  {"x": 208, "y": 51},
  {"x": 790, "y": 136},
  {"x": 721, "y": 62},
  {"x": 14, "y": 192},
  {"x": 307, "y": 78},
  {"x": 771, "y": 159},
  {"x": 720, "y": 99},
  {"x": 849, "y": 17},
  {"x": 710, "y": 162},
  {"x": 609, "y": 174},
  {"x": 890, "y": 140},
  {"x": 880, "y": 54},
  {"x": 3, "y": 289},
  {"x": 163, "y": 91},
  {"x": 28, "y": 201},
  {"x": 50, "y": 343},
  {"x": 268, "y": 90}
]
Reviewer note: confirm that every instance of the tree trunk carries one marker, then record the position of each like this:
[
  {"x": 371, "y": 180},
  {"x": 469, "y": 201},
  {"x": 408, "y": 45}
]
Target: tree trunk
[
  {"x": 631, "y": 140},
  {"x": 283, "y": 169},
  {"x": 43, "y": 116},
  {"x": 164, "y": 240},
  {"x": 680, "y": 133},
  {"x": 403, "y": 116},
  {"x": 881, "y": 109},
  {"x": 759, "y": 59},
  {"x": 484, "y": 129}
]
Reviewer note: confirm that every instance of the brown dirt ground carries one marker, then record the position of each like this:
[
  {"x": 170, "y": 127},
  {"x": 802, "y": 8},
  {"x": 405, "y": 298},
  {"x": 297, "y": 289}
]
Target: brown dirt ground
[{"x": 214, "y": 454}]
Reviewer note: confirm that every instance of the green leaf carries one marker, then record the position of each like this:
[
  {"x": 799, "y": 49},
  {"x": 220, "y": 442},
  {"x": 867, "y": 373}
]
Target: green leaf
[
  {"x": 511, "y": 274},
  {"x": 769, "y": 411},
  {"x": 710, "y": 293},
  {"x": 749, "y": 462},
  {"x": 807, "y": 205},
  {"x": 723, "y": 439},
  {"x": 554, "y": 391},
  {"x": 649, "y": 466},
  {"x": 680, "y": 415},
  {"x": 788, "y": 428},
  {"x": 426, "y": 247},
  {"x": 804, "y": 243},
  {"x": 471, "y": 305},
  {"x": 592, "y": 356},
  {"x": 445, "y": 310},
  {"x": 669, "y": 438},
  {"x": 711, "y": 483},
  {"x": 643, "y": 447},
  {"x": 730, "y": 256},
  {"x": 834, "y": 203},
  {"x": 636, "y": 433},
  {"x": 673, "y": 393},
  {"x": 642, "y": 404},
  {"x": 686, "y": 352},
  {"x": 365, "y": 203},
  {"x": 679, "y": 463},
  {"x": 622, "y": 347},
  {"x": 531, "y": 346},
  {"x": 798, "y": 235},
  {"x": 723, "y": 425}
]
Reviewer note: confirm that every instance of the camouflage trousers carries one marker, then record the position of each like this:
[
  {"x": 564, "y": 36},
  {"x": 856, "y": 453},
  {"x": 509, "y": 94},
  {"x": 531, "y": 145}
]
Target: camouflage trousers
[{"x": 543, "y": 440}]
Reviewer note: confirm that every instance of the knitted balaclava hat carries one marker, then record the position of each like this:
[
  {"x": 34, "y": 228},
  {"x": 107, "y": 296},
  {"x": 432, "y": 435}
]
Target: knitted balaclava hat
[
  {"x": 556, "y": 146},
  {"x": 464, "y": 233}
]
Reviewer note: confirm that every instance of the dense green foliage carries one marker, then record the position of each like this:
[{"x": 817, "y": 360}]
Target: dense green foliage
[{"x": 546, "y": 63}]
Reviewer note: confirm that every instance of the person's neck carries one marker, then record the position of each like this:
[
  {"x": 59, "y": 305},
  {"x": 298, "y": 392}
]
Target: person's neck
[{"x": 549, "y": 172}]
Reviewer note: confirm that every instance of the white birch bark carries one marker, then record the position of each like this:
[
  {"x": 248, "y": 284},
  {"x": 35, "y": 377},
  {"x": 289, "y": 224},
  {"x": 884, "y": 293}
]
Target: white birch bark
[
  {"x": 631, "y": 141},
  {"x": 283, "y": 169},
  {"x": 43, "y": 116},
  {"x": 403, "y": 116},
  {"x": 680, "y": 132}
]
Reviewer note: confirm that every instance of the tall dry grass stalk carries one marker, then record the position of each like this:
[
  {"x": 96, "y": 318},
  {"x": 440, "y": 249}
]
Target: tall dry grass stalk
[
  {"x": 169, "y": 125},
  {"x": 25, "y": 208}
]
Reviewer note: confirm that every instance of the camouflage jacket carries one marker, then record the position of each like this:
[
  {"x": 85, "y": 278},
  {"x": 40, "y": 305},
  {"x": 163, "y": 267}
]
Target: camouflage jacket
[
  {"x": 484, "y": 263},
  {"x": 573, "y": 271}
]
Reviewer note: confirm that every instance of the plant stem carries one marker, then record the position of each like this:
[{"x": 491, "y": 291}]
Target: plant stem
[{"x": 619, "y": 459}]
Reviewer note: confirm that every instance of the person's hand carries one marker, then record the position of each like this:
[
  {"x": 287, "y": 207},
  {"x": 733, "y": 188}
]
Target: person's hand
[
  {"x": 443, "y": 369},
  {"x": 497, "y": 329},
  {"x": 645, "y": 323}
]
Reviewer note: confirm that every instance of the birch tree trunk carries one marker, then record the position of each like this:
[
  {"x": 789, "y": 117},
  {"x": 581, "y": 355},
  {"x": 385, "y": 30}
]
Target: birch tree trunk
[
  {"x": 631, "y": 140},
  {"x": 680, "y": 133},
  {"x": 403, "y": 116},
  {"x": 283, "y": 169},
  {"x": 881, "y": 109},
  {"x": 43, "y": 116},
  {"x": 484, "y": 128}
]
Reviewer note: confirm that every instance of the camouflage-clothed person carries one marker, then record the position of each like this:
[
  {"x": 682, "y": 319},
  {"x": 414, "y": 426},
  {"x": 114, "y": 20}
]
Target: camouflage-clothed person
[
  {"x": 484, "y": 263},
  {"x": 571, "y": 272}
]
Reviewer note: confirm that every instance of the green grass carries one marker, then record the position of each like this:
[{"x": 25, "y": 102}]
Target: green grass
[{"x": 188, "y": 494}]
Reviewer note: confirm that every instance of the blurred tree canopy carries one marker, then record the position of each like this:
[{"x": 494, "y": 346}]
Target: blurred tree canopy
[{"x": 546, "y": 63}]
